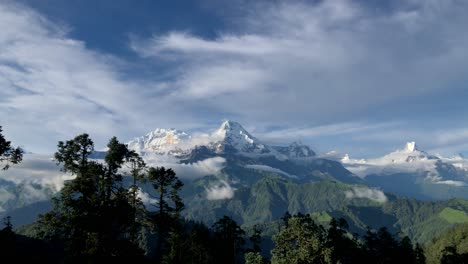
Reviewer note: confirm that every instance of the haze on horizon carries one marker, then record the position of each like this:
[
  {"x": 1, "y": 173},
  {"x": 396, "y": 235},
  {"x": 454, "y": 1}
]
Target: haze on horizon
[{"x": 360, "y": 77}]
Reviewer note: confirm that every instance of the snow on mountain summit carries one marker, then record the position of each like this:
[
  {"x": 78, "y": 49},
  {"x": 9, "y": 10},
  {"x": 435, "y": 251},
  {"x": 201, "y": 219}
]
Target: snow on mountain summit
[
  {"x": 231, "y": 136},
  {"x": 160, "y": 141},
  {"x": 412, "y": 160},
  {"x": 234, "y": 132},
  {"x": 410, "y": 153},
  {"x": 410, "y": 146}
]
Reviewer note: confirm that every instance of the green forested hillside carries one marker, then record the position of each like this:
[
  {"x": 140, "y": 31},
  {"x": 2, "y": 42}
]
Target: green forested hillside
[
  {"x": 271, "y": 196},
  {"x": 456, "y": 238}
]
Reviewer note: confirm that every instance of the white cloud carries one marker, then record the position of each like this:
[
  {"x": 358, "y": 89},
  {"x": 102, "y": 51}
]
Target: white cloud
[
  {"x": 220, "y": 192},
  {"x": 332, "y": 60},
  {"x": 452, "y": 183},
  {"x": 269, "y": 169},
  {"x": 366, "y": 192},
  {"x": 54, "y": 87},
  {"x": 147, "y": 199},
  {"x": 37, "y": 169},
  {"x": 210, "y": 166},
  {"x": 304, "y": 61},
  {"x": 35, "y": 179}
]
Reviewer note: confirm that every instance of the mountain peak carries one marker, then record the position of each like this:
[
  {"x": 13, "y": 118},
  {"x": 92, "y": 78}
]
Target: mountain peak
[
  {"x": 160, "y": 141},
  {"x": 411, "y": 146},
  {"x": 234, "y": 135},
  {"x": 232, "y": 130},
  {"x": 229, "y": 126}
]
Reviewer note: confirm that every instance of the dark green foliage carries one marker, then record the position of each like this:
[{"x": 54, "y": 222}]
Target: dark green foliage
[
  {"x": 93, "y": 214},
  {"x": 169, "y": 205},
  {"x": 451, "y": 245},
  {"x": 451, "y": 256},
  {"x": 256, "y": 239},
  {"x": 419, "y": 254},
  {"x": 302, "y": 241},
  {"x": 255, "y": 258},
  {"x": 229, "y": 240},
  {"x": 17, "y": 248},
  {"x": 137, "y": 171},
  {"x": 8, "y": 154},
  {"x": 268, "y": 198},
  {"x": 193, "y": 243},
  {"x": 344, "y": 247}
]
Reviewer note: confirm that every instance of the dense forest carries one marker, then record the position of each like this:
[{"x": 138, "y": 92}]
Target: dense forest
[{"x": 97, "y": 215}]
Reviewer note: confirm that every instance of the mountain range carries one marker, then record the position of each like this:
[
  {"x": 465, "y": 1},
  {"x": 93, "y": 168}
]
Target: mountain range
[
  {"x": 408, "y": 171},
  {"x": 231, "y": 172}
]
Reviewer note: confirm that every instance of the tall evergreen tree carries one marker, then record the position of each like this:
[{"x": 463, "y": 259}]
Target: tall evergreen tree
[
  {"x": 168, "y": 205},
  {"x": 344, "y": 249},
  {"x": 420, "y": 258},
  {"x": 256, "y": 239},
  {"x": 8, "y": 154},
  {"x": 93, "y": 213},
  {"x": 301, "y": 241},
  {"x": 229, "y": 240},
  {"x": 137, "y": 171}
]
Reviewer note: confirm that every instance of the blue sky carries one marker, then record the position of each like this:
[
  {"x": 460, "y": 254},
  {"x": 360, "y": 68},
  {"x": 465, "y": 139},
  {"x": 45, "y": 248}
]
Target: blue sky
[{"x": 360, "y": 77}]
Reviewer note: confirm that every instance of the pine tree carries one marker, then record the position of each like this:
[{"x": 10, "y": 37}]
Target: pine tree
[
  {"x": 256, "y": 239},
  {"x": 229, "y": 240},
  {"x": 93, "y": 213},
  {"x": 169, "y": 204},
  {"x": 137, "y": 171},
  {"x": 420, "y": 258},
  {"x": 8, "y": 154},
  {"x": 301, "y": 241},
  {"x": 344, "y": 248}
]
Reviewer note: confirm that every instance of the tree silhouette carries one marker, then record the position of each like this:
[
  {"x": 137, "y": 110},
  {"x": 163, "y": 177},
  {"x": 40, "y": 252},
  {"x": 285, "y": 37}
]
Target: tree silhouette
[
  {"x": 169, "y": 204},
  {"x": 137, "y": 171},
  {"x": 93, "y": 213},
  {"x": 9, "y": 154},
  {"x": 344, "y": 249},
  {"x": 228, "y": 240}
]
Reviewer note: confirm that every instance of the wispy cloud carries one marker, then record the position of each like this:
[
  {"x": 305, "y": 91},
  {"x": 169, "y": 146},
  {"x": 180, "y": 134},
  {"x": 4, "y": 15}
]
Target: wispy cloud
[
  {"x": 37, "y": 169},
  {"x": 368, "y": 193},
  {"x": 318, "y": 60},
  {"x": 54, "y": 87},
  {"x": 220, "y": 192},
  {"x": 452, "y": 183},
  {"x": 269, "y": 169},
  {"x": 35, "y": 179},
  {"x": 210, "y": 166}
]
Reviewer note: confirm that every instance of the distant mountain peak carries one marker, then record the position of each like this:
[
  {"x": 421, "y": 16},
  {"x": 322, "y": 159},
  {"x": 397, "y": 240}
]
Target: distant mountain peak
[
  {"x": 233, "y": 129},
  {"x": 160, "y": 140},
  {"x": 233, "y": 135},
  {"x": 296, "y": 150},
  {"x": 411, "y": 147}
]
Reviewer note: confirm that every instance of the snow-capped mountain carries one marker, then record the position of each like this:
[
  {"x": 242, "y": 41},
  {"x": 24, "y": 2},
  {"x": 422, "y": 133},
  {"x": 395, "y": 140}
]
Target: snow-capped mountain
[
  {"x": 230, "y": 137},
  {"x": 161, "y": 141},
  {"x": 295, "y": 150},
  {"x": 408, "y": 159},
  {"x": 413, "y": 172},
  {"x": 232, "y": 143}
]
